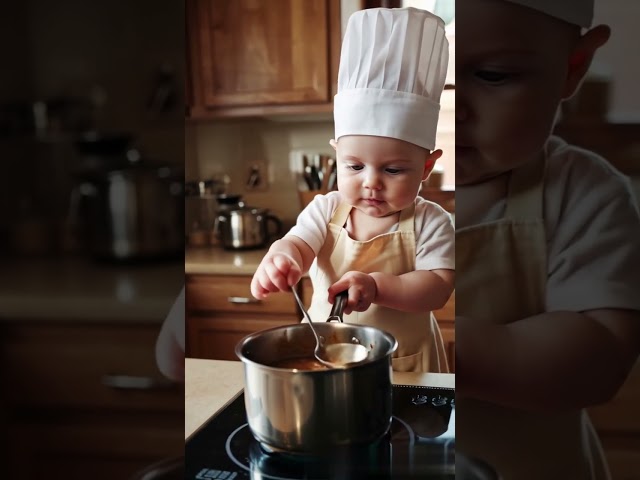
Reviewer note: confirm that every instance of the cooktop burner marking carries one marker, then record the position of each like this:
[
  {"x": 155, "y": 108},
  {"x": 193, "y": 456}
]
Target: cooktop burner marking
[
  {"x": 230, "y": 453},
  {"x": 239, "y": 463}
]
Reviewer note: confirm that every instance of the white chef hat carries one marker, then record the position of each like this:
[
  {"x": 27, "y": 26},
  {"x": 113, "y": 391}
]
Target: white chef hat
[
  {"x": 577, "y": 12},
  {"x": 392, "y": 72}
]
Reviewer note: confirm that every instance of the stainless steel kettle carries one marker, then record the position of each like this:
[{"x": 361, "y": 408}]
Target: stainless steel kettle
[
  {"x": 134, "y": 209},
  {"x": 243, "y": 227}
]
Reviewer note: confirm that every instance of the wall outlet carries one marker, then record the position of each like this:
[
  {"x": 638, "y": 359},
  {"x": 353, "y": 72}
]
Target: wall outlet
[{"x": 257, "y": 177}]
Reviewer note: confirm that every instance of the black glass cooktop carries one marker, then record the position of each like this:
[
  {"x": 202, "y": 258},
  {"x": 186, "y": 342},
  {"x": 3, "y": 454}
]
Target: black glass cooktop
[{"x": 420, "y": 444}]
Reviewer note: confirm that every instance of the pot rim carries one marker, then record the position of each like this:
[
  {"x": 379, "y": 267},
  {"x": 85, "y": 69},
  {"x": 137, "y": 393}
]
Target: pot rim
[{"x": 254, "y": 335}]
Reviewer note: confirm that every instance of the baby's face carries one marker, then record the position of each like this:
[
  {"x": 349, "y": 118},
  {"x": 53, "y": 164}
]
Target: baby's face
[
  {"x": 380, "y": 175},
  {"x": 511, "y": 68}
]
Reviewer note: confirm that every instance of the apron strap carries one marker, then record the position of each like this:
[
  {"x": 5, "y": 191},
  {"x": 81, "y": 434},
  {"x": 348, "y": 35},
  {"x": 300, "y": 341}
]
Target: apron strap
[
  {"x": 341, "y": 214},
  {"x": 406, "y": 222},
  {"x": 525, "y": 197}
]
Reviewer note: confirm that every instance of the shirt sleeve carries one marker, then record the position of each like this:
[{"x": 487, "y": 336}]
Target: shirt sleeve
[
  {"x": 435, "y": 237},
  {"x": 594, "y": 237},
  {"x": 311, "y": 225}
]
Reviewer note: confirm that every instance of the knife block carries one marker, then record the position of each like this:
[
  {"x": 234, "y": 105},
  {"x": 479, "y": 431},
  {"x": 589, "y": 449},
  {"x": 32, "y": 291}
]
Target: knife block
[{"x": 306, "y": 196}]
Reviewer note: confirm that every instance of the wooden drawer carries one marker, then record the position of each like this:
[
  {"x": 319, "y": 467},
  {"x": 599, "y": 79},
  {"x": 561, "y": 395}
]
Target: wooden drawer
[
  {"x": 109, "y": 449},
  {"x": 216, "y": 337},
  {"x": 233, "y": 294},
  {"x": 85, "y": 366},
  {"x": 618, "y": 425}
]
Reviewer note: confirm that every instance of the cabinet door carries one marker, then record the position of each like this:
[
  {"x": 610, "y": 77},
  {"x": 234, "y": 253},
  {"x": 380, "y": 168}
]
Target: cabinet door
[
  {"x": 252, "y": 52},
  {"x": 85, "y": 400},
  {"x": 446, "y": 320},
  {"x": 618, "y": 425},
  {"x": 113, "y": 449},
  {"x": 232, "y": 294},
  {"x": 216, "y": 337},
  {"x": 109, "y": 367}
]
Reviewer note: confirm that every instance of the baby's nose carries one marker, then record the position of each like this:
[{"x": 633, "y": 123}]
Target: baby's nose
[{"x": 372, "y": 179}]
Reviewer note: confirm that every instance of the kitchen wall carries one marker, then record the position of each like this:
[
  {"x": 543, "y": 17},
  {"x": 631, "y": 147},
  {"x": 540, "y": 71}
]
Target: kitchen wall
[
  {"x": 615, "y": 59},
  {"x": 229, "y": 146}
]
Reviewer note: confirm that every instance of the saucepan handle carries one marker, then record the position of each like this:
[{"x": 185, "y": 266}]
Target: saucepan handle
[
  {"x": 338, "y": 306},
  {"x": 277, "y": 227}
]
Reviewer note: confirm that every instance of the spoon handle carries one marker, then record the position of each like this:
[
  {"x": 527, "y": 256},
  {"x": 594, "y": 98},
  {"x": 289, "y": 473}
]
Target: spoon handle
[{"x": 306, "y": 314}]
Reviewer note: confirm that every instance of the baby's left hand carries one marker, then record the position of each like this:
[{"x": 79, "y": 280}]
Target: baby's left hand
[{"x": 362, "y": 291}]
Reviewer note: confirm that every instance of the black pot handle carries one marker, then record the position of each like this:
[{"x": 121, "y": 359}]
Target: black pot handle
[{"x": 338, "y": 306}]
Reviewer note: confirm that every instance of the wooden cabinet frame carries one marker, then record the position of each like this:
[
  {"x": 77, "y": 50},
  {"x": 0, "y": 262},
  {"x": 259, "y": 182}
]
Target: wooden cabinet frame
[{"x": 200, "y": 85}]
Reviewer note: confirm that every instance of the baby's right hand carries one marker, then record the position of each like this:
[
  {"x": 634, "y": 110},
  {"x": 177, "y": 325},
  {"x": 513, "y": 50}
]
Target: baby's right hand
[{"x": 276, "y": 273}]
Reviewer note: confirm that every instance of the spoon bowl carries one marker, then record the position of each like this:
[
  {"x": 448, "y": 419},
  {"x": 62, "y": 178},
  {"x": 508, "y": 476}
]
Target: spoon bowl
[{"x": 334, "y": 355}]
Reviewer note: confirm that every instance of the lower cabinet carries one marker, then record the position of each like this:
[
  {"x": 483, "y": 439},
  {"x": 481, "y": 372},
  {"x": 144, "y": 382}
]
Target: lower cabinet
[
  {"x": 221, "y": 311},
  {"x": 446, "y": 321},
  {"x": 618, "y": 425},
  {"x": 85, "y": 400}
]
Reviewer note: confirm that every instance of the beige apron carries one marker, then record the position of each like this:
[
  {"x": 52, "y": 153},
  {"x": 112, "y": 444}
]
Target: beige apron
[
  {"x": 501, "y": 270},
  {"x": 420, "y": 345}
]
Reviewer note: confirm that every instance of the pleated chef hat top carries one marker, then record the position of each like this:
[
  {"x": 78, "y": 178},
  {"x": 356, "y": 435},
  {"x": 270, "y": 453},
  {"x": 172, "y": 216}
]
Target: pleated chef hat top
[
  {"x": 577, "y": 12},
  {"x": 392, "y": 72}
]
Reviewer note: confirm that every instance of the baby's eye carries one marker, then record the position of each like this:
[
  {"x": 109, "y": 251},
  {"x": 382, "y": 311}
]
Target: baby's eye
[
  {"x": 355, "y": 167},
  {"x": 493, "y": 77},
  {"x": 393, "y": 171}
]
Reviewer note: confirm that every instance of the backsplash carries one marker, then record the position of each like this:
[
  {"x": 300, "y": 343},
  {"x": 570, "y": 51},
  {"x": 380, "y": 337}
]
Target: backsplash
[{"x": 231, "y": 146}]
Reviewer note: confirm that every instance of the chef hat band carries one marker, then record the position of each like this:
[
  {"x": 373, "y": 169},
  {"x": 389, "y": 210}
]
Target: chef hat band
[
  {"x": 392, "y": 72},
  {"x": 577, "y": 12}
]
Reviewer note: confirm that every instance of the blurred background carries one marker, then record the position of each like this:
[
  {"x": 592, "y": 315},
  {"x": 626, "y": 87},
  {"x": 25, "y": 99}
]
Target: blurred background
[
  {"x": 604, "y": 116},
  {"x": 92, "y": 234},
  {"x": 605, "y": 113}
]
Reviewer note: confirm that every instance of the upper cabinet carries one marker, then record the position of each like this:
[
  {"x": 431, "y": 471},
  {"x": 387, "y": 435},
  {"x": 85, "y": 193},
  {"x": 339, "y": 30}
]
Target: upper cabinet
[{"x": 252, "y": 57}]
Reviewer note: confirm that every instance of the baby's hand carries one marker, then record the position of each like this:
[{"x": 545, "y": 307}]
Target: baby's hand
[
  {"x": 276, "y": 273},
  {"x": 362, "y": 291}
]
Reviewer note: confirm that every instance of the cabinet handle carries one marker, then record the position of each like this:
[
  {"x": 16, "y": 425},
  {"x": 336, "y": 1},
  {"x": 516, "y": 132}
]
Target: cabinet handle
[
  {"x": 134, "y": 382},
  {"x": 242, "y": 300}
]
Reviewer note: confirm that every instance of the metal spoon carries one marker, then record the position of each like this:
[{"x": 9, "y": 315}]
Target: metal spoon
[
  {"x": 336, "y": 355},
  {"x": 344, "y": 353}
]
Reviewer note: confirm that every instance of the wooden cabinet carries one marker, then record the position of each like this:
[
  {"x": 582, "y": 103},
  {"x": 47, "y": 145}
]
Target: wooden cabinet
[
  {"x": 252, "y": 57},
  {"x": 618, "y": 425},
  {"x": 446, "y": 321},
  {"x": 81, "y": 398},
  {"x": 221, "y": 311}
]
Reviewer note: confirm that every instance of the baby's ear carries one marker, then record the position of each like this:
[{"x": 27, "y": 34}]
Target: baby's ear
[
  {"x": 582, "y": 55},
  {"x": 430, "y": 162},
  {"x": 333, "y": 143}
]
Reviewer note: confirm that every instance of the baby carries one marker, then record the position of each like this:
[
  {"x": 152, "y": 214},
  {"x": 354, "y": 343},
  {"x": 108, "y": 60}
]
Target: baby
[
  {"x": 547, "y": 247},
  {"x": 375, "y": 237}
]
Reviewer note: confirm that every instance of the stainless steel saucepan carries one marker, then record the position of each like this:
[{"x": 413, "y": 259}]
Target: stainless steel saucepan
[{"x": 311, "y": 411}]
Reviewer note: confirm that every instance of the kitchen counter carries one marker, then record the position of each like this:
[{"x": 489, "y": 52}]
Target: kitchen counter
[
  {"x": 210, "y": 384},
  {"x": 217, "y": 261},
  {"x": 78, "y": 289}
]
